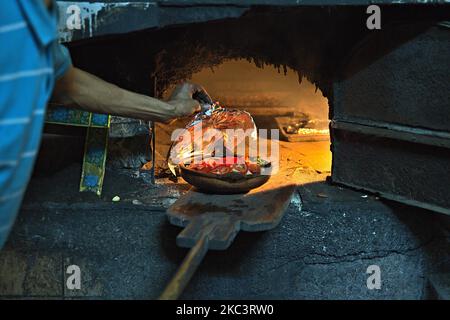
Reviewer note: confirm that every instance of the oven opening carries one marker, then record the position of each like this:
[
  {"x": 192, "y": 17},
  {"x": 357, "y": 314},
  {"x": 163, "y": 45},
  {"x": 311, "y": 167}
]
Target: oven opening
[{"x": 280, "y": 101}]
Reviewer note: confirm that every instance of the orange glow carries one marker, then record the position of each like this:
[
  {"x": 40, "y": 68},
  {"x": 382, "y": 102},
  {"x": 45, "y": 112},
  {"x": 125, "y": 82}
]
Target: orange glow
[
  {"x": 239, "y": 83},
  {"x": 269, "y": 95}
]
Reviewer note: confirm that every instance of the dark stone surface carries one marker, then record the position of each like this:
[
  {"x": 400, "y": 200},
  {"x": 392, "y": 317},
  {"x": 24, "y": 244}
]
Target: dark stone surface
[
  {"x": 401, "y": 78},
  {"x": 173, "y": 15},
  {"x": 397, "y": 82},
  {"x": 110, "y": 17},
  {"x": 121, "y": 127},
  {"x": 399, "y": 170},
  {"x": 440, "y": 283},
  {"x": 131, "y": 153},
  {"x": 129, "y": 144},
  {"x": 321, "y": 249}
]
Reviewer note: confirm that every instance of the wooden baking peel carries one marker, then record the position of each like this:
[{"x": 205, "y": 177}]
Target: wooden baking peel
[{"x": 212, "y": 221}]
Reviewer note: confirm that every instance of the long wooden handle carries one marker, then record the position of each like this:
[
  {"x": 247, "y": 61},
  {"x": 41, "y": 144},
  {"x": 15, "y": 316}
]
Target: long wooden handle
[{"x": 186, "y": 270}]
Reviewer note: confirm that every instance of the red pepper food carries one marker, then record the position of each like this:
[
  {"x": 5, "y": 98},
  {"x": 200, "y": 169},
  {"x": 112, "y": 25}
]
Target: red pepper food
[{"x": 221, "y": 166}]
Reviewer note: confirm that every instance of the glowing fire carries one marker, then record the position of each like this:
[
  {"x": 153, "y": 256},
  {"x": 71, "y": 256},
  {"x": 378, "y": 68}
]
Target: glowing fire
[{"x": 311, "y": 131}]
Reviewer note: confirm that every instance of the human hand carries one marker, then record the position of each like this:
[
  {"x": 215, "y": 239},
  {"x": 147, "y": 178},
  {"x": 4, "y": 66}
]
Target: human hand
[{"x": 181, "y": 99}]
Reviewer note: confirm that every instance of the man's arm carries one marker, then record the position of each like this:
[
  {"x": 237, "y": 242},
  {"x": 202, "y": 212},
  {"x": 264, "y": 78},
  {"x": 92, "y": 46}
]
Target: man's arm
[{"x": 82, "y": 90}]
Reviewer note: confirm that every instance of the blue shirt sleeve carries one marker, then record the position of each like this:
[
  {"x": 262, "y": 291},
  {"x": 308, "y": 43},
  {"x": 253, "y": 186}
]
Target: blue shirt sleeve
[{"x": 61, "y": 58}]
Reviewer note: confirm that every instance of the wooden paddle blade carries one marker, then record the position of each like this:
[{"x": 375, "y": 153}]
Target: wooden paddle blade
[{"x": 222, "y": 216}]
